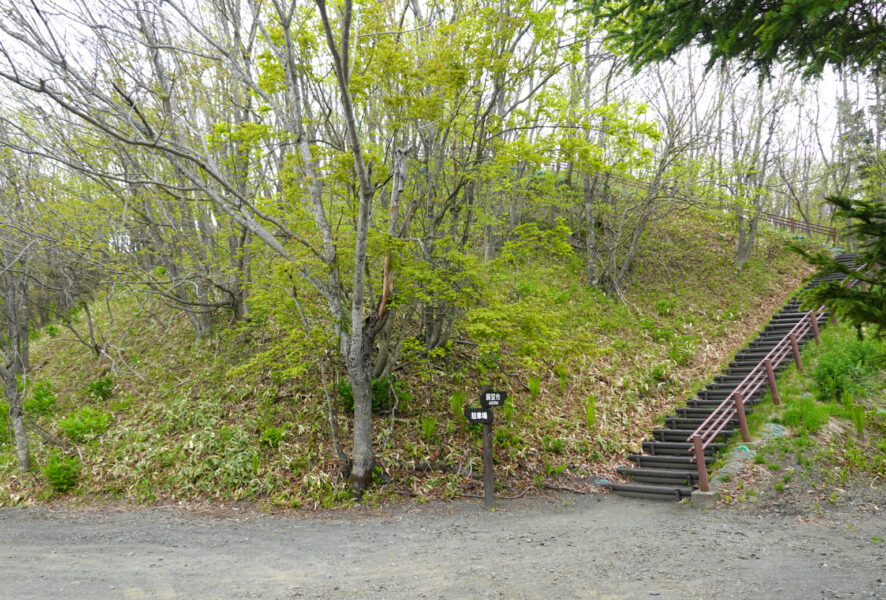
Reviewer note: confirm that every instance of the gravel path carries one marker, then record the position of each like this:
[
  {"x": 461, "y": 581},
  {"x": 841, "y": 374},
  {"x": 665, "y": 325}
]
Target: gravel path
[{"x": 565, "y": 547}]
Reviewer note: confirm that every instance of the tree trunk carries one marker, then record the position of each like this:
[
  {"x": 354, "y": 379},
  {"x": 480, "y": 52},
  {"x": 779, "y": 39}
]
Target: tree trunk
[
  {"x": 363, "y": 457},
  {"x": 746, "y": 238},
  {"x": 591, "y": 225},
  {"x": 361, "y": 340},
  {"x": 17, "y": 419},
  {"x": 22, "y": 447}
]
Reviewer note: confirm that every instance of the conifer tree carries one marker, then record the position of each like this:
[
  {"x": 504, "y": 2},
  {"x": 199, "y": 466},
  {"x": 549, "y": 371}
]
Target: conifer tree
[{"x": 865, "y": 302}]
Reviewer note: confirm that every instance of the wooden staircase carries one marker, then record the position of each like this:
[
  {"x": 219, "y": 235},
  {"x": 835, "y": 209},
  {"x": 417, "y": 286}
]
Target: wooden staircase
[{"x": 666, "y": 468}]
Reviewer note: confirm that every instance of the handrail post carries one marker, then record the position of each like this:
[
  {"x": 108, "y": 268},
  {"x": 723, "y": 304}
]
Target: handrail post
[
  {"x": 742, "y": 418},
  {"x": 814, "y": 321},
  {"x": 796, "y": 350},
  {"x": 700, "y": 464},
  {"x": 770, "y": 375}
]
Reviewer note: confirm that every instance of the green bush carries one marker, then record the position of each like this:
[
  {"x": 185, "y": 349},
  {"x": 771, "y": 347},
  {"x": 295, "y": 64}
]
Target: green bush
[
  {"x": 85, "y": 423},
  {"x": 858, "y": 416},
  {"x": 457, "y": 403},
  {"x": 101, "y": 388},
  {"x": 271, "y": 436},
  {"x": 658, "y": 374},
  {"x": 42, "y": 400},
  {"x": 808, "y": 414},
  {"x": 62, "y": 472},
  {"x": 666, "y": 307},
  {"x": 429, "y": 430},
  {"x": 379, "y": 388},
  {"x": 844, "y": 368}
]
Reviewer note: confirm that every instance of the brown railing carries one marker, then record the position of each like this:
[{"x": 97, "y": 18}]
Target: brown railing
[
  {"x": 733, "y": 405},
  {"x": 796, "y": 225}
]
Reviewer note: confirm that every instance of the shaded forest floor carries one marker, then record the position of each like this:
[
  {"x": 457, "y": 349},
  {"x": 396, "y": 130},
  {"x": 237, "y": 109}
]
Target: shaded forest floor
[{"x": 237, "y": 417}]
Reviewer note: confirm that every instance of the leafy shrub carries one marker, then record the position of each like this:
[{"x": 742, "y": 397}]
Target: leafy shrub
[
  {"x": 507, "y": 437},
  {"x": 42, "y": 400},
  {"x": 271, "y": 436},
  {"x": 528, "y": 240},
  {"x": 858, "y": 416},
  {"x": 345, "y": 395},
  {"x": 379, "y": 388},
  {"x": 52, "y": 331},
  {"x": 808, "y": 414},
  {"x": 524, "y": 289},
  {"x": 85, "y": 423},
  {"x": 101, "y": 388},
  {"x": 381, "y": 394},
  {"x": 429, "y": 429},
  {"x": 457, "y": 402},
  {"x": 62, "y": 472},
  {"x": 843, "y": 368}
]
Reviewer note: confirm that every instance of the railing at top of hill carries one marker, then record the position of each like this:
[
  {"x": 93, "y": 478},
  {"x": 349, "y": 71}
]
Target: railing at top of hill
[
  {"x": 796, "y": 225},
  {"x": 733, "y": 404}
]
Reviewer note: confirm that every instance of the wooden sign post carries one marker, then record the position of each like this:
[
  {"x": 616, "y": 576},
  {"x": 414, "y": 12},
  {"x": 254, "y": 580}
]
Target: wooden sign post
[{"x": 484, "y": 415}]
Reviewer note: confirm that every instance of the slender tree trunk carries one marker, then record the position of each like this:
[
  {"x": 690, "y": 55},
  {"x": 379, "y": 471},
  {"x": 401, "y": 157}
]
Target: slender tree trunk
[
  {"x": 17, "y": 419},
  {"x": 361, "y": 340},
  {"x": 591, "y": 225}
]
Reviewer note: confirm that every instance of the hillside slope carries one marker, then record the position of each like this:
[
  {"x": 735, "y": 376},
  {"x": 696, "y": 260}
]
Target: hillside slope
[{"x": 243, "y": 415}]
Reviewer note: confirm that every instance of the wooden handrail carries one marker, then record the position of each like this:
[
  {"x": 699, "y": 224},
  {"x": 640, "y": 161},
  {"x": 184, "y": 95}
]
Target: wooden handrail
[
  {"x": 733, "y": 405},
  {"x": 798, "y": 225}
]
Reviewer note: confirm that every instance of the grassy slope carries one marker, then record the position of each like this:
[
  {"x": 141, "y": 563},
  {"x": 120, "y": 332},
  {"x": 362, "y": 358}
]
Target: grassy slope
[{"x": 189, "y": 425}]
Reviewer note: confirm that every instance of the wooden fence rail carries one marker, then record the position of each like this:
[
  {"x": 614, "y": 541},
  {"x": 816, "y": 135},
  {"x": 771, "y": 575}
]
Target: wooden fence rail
[{"x": 798, "y": 226}]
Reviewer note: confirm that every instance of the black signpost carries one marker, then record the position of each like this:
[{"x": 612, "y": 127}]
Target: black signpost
[
  {"x": 484, "y": 415},
  {"x": 478, "y": 415},
  {"x": 489, "y": 399}
]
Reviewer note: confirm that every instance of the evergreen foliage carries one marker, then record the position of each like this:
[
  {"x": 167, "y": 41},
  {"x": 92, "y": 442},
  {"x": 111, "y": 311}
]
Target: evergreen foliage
[
  {"x": 805, "y": 34},
  {"x": 865, "y": 302}
]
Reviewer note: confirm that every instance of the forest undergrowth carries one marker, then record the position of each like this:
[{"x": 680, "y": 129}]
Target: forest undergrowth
[{"x": 242, "y": 415}]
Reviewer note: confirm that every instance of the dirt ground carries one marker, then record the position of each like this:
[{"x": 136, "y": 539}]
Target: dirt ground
[{"x": 567, "y": 546}]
